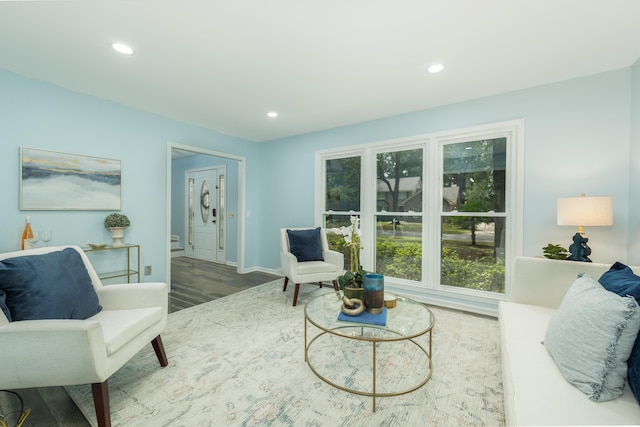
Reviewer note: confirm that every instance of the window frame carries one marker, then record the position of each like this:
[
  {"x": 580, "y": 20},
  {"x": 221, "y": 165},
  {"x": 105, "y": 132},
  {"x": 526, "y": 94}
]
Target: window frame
[{"x": 433, "y": 147}]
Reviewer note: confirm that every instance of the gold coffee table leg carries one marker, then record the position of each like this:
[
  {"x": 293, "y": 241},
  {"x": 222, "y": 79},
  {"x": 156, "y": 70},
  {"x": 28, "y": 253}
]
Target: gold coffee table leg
[
  {"x": 374, "y": 376},
  {"x": 305, "y": 338}
]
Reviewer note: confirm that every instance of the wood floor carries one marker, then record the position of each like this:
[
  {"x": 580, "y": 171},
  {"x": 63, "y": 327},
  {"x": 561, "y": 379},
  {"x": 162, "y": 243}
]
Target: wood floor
[{"x": 193, "y": 282}]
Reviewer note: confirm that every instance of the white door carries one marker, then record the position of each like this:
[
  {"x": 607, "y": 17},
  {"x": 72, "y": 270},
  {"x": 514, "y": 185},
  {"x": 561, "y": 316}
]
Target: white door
[
  {"x": 204, "y": 212},
  {"x": 205, "y": 205}
]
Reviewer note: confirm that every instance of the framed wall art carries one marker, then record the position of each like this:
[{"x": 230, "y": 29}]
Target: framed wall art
[{"x": 60, "y": 181}]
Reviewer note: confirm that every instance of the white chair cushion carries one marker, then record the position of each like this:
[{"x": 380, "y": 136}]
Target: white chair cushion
[
  {"x": 313, "y": 267},
  {"x": 121, "y": 326}
]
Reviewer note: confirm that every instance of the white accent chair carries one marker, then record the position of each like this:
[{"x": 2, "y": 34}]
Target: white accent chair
[
  {"x": 309, "y": 271},
  {"x": 60, "y": 352}
]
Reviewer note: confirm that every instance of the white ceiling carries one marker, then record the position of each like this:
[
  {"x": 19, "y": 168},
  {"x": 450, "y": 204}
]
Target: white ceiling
[{"x": 320, "y": 64}]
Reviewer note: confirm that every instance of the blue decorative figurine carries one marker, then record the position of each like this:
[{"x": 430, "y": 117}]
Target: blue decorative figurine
[{"x": 579, "y": 249}]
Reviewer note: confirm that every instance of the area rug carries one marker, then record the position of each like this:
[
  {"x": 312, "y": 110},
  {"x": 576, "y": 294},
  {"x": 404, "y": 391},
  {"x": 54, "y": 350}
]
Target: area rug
[{"x": 239, "y": 361}]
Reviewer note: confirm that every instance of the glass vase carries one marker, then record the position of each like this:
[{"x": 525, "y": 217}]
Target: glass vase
[{"x": 374, "y": 293}]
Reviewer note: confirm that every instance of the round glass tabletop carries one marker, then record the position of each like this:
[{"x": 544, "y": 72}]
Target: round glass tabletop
[{"x": 408, "y": 319}]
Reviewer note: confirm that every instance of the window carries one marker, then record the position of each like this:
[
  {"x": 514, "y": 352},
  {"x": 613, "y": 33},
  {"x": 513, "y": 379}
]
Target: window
[
  {"x": 342, "y": 198},
  {"x": 473, "y": 214},
  {"x": 398, "y": 216},
  {"x": 439, "y": 212}
]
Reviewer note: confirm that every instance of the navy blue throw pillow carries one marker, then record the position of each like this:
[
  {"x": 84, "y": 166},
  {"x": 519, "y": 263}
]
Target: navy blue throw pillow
[
  {"x": 306, "y": 245},
  {"x": 620, "y": 280},
  {"x": 3, "y": 306},
  {"x": 55, "y": 285},
  {"x": 633, "y": 371}
]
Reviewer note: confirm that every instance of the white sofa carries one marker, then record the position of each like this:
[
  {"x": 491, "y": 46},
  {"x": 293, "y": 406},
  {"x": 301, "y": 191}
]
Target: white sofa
[{"x": 535, "y": 391}]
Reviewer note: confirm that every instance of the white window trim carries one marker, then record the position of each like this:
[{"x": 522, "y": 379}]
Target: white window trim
[{"x": 430, "y": 290}]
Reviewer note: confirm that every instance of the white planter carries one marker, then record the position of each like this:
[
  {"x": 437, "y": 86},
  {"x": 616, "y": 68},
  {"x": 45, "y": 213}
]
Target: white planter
[{"x": 117, "y": 234}]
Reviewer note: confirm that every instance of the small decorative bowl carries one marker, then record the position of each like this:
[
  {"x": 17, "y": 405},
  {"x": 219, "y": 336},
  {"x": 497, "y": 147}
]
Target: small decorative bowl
[
  {"x": 97, "y": 245},
  {"x": 389, "y": 300}
]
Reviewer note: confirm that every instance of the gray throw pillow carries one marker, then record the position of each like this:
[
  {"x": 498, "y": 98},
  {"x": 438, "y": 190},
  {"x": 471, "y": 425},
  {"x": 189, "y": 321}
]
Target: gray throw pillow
[{"x": 591, "y": 336}]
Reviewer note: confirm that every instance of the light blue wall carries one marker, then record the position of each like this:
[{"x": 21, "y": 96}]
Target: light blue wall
[
  {"x": 634, "y": 190},
  {"x": 577, "y": 133},
  {"x": 39, "y": 115},
  {"x": 180, "y": 166},
  {"x": 576, "y": 141}
]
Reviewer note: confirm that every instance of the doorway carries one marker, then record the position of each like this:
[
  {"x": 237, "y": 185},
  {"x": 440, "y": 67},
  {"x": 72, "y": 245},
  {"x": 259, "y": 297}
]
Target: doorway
[{"x": 233, "y": 233}]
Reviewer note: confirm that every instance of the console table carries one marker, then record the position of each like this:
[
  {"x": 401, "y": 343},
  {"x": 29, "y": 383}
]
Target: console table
[{"x": 116, "y": 262}]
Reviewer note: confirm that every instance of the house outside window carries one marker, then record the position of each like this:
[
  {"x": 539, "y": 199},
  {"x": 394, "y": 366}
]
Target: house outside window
[{"x": 438, "y": 212}]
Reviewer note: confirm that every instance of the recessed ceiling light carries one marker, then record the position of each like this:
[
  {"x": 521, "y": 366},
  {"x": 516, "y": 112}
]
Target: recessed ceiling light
[
  {"x": 122, "y": 48},
  {"x": 272, "y": 114},
  {"x": 435, "y": 68}
]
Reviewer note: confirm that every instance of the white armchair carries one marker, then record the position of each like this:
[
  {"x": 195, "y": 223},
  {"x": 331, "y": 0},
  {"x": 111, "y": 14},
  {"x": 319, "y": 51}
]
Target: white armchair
[
  {"x": 60, "y": 352},
  {"x": 326, "y": 269}
]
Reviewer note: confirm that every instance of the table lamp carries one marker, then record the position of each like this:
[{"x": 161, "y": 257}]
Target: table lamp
[{"x": 592, "y": 211}]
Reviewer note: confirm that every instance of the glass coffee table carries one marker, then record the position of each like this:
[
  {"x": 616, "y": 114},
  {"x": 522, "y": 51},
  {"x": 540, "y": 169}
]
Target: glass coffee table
[{"x": 406, "y": 322}]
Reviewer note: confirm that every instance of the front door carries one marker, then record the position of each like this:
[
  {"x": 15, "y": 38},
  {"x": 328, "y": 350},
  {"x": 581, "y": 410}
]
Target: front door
[{"x": 204, "y": 213}]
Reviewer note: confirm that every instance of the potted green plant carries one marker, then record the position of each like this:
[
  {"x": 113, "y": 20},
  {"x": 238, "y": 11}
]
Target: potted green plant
[
  {"x": 117, "y": 223},
  {"x": 552, "y": 251},
  {"x": 352, "y": 281}
]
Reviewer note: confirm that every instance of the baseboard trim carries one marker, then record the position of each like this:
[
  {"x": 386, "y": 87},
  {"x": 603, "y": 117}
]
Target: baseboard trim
[
  {"x": 273, "y": 271},
  {"x": 177, "y": 253}
]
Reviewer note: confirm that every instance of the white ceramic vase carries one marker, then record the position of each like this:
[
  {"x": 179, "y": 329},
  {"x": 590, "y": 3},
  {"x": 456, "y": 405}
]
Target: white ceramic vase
[{"x": 117, "y": 234}]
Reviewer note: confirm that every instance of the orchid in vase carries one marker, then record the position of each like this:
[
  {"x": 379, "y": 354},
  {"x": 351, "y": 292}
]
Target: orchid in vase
[{"x": 352, "y": 238}]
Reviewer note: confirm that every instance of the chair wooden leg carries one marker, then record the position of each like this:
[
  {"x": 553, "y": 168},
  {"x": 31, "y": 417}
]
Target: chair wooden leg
[
  {"x": 101, "y": 402},
  {"x": 286, "y": 280},
  {"x": 158, "y": 347},
  {"x": 295, "y": 294}
]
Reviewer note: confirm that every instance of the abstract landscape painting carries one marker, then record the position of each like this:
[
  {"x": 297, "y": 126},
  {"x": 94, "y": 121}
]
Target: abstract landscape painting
[{"x": 59, "y": 181}]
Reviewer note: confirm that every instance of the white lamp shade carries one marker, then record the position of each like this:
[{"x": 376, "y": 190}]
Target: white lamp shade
[{"x": 585, "y": 211}]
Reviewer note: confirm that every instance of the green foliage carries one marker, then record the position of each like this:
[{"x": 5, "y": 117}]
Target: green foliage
[
  {"x": 351, "y": 279},
  {"x": 399, "y": 258},
  {"x": 478, "y": 270},
  {"x": 116, "y": 220},
  {"x": 552, "y": 251},
  {"x": 463, "y": 266},
  {"x": 343, "y": 184},
  {"x": 482, "y": 273}
]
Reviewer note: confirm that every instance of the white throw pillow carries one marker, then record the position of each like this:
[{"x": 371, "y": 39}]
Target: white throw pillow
[{"x": 591, "y": 336}]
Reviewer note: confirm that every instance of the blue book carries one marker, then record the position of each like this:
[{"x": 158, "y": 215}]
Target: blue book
[{"x": 364, "y": 317}]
